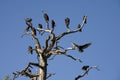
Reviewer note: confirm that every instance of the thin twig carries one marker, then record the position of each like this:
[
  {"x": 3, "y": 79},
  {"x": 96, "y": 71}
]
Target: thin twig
[
  {"x": 72, "y": 31},
  {"x": 50, "y": 74},
  {"x": 86, "y": 72},
  {"x": 25, "y": 71},
  {"x": 74, "y": 58}
]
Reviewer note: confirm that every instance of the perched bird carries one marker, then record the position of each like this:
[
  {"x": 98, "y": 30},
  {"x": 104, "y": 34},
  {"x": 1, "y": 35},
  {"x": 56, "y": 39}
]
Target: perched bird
[
  {"x": 53, "y": 24},
  {"x": 79, "y": 27},
  {"x": 29, "y": 70},
  {"x": 85, "y": 67},
  {"x": 30, "y": 50},
  {"x": 40, "y": 26},
  {"x": 85, "y": 18},
  {"x": 34, "y": 31},
  {"x": 46, "y": 17},
  {"x": 81, "y": 47},
  {"x": 28, "y": 20},
  {"x": 67, "y": 22}
]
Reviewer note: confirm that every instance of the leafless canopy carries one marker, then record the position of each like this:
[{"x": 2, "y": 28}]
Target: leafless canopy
[{"x": 51, "y": 47}]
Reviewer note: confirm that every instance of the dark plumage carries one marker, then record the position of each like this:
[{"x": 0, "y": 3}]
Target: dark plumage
[
  {"x": 40, "y": 26},
  {"x": 28, "y": 20},
  {"x": 67, "y": 22},
  {"x": 46, "y": 17},
  {"x": 81, "y": 47},
  {"x": 53, "y": 23},
  {"x": 85, "y": 18},
  {"x": 29, "y": 70},
  {"x": 85, "y": 67},
  {"x": 30, "y": 50},
  {"x": 79, "y": 27}
]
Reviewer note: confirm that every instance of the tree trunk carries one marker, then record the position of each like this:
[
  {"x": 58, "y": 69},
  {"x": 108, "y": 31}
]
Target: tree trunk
[{"x": 43, "y": 70}]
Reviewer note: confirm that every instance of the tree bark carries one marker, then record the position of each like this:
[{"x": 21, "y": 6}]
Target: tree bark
[{"x": 43, "y": 70}]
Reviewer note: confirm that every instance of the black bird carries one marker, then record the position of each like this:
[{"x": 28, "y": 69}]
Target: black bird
[
  {"x": 85, "y": 18},
  {"x": 52, "y": 23},
  {"x": 29, "y": 70},
  {"x": 30, "y": 50},
  {"x": 28, "y": 20},
  {"x": 46, "y": 17},
  {"x": 85, "y": 67},
  {"x": 79, "y": 27},
  {"x": 67, "y": 22},
  {"x": 81, "y": 47},
  {"x": 40, "y": 26}
]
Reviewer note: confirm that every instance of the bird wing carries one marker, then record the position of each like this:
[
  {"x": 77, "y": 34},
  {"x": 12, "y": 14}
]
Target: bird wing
[
  {"x": 75, "y": 45},
  {"x": 85, "y": 45}
]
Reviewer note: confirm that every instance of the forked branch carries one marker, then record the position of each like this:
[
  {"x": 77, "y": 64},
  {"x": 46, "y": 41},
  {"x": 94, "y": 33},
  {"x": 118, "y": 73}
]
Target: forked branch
[
  {"x": 61, "y": 52},
  {"x": 73, "y": 31},
  {"x": 27, "y": 71},
  {"x": 86, "y": 72}
]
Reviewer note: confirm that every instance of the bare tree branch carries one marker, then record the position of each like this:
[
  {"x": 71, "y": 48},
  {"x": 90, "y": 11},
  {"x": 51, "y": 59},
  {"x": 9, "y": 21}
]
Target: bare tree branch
[
  {"x": 63, "y": 52},
  {"x": 53, "y": 40},
  {"x": 51, "y": 48},
  {"x": 65, "y": 33},
  {"x": 86, "y": 72},
  {"x": 43, "y": 31},
  {"x": 57, "y": 47},
  {"x": 36, "y": 41},
  {"x": 73, "y": 31},
  {"x": 50, "y": 74},
  {"x": 73, "y": 58},
  {"x": 26, "y": 33},
  {"x": 26, "y": 71},
  {"x": 47, "y": 40}
]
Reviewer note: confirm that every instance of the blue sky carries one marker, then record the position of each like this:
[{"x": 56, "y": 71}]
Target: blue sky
[{"x": 102, "y": 29}]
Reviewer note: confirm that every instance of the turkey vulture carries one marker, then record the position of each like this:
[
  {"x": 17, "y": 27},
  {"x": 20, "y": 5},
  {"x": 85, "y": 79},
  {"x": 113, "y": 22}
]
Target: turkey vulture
[
  {"x": 53, "y": 23},
  {"x": 81, "y": 47},
  {"x": 40, "y": 26},
  {"x": 46, "y": 17},
  {"x": 28, "y": 19},
  {"x": 67, "y": 22},
  {"x": 30, "y": 50},
  {"x": 85, "y": 67}
]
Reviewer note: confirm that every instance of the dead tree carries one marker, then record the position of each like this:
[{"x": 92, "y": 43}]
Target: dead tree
[{"x": 51, "y": 47}]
